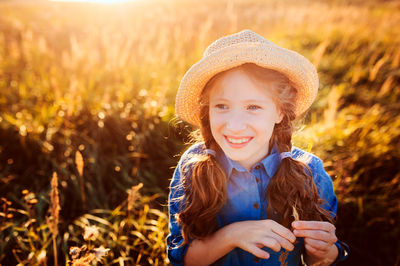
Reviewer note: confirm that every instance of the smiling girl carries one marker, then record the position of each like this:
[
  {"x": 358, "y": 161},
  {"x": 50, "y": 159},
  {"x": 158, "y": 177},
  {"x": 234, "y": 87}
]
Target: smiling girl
[{"x": 235, "y": 191}]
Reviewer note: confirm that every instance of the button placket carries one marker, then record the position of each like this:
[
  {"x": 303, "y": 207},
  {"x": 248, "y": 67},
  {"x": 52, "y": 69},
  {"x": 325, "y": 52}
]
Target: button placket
[{"x": 257, "y": 167}]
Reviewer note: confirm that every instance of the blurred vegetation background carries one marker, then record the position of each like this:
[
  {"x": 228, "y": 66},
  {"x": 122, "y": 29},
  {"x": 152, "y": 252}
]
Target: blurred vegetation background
[{"x": 87, "y": 97}]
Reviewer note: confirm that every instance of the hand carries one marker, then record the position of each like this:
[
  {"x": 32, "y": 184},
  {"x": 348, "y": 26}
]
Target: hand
[
  {"x": 319, "y": 238},
  {"x": 253, "y": 235}
]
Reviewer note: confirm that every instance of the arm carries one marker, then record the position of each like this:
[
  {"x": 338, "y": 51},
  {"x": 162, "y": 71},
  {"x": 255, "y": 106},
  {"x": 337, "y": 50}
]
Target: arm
[
  {"x": 249, "y": 235},
  {"x": 209, "y": 250}
]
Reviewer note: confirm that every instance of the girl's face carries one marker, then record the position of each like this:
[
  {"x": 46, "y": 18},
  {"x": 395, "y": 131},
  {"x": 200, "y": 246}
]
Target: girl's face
[{"x": 242, "y": 117}]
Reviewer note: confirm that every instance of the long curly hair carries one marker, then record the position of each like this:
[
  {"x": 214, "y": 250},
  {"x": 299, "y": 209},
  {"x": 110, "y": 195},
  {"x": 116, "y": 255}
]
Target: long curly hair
[{"x": 292, "y": 186}]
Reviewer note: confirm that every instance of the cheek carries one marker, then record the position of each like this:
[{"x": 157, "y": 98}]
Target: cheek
[
  {"x": 264, "y": 124},
  {"x": 216, "y": 121}
]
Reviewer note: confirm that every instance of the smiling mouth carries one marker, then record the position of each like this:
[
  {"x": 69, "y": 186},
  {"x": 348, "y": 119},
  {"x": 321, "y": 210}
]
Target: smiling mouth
[{"x": 238, "y": 141}]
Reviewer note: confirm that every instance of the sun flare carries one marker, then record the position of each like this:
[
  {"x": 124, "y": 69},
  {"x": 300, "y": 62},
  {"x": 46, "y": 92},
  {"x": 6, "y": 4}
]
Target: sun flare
[{"x": 95, "y": 1}]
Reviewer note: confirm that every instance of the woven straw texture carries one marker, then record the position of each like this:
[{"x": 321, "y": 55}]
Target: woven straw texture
[{"x": 234, "y": 50}]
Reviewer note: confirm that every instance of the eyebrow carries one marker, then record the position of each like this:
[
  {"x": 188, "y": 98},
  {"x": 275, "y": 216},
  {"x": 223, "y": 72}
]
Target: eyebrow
[{"x": 247, "y": 101}]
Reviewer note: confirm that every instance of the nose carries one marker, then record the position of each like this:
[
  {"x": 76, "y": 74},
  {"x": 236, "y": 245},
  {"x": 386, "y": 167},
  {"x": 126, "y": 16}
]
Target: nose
[{"x": 236, "y": 123}]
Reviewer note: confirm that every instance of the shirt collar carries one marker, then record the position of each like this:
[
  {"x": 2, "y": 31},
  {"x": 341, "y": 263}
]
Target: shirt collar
[{"x": 270, "y": 162}]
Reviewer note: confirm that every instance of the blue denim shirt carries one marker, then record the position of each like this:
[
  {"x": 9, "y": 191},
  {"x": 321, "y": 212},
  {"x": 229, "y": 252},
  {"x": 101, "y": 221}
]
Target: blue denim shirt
[{"x": 246, "y": 201}]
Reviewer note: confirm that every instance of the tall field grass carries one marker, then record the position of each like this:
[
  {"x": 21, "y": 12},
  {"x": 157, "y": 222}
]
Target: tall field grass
[{"x": 87, "y": 137}]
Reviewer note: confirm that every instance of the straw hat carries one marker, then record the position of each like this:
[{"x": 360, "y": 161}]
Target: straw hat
[{"x": 234, "y": 50}]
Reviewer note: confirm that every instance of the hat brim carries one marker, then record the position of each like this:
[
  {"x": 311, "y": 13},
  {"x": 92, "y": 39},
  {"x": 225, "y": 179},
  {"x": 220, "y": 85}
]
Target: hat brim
[{"x": 295, "y": 66}]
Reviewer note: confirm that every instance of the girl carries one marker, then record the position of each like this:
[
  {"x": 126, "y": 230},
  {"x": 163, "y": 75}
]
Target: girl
[{"x": 242, "y": 195}]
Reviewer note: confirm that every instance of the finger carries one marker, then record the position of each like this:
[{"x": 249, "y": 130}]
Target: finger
[
  {"x": 315, "y": 252},
  {"x": 281, "y": 230},
  {"x": 259, "y": 245},
  {"x": 272, "y": 243},
  {"x": 318, "y": 244},
  {"x": 258, "y": 252},
  {"x": 316, "y": 234},
  {"x": 315, "y": 225},
  {"x": 283, "y": 242}
]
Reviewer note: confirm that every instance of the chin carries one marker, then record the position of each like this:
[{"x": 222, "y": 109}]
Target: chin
[{"x": 236, "y": 155}]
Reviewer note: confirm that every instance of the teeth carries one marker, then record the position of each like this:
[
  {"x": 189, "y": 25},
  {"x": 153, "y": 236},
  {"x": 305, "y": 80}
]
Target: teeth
[{"x": 238, "y": 141}]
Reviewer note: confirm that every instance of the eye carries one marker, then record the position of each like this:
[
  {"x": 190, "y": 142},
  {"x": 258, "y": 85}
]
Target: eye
[
  {"x": 221, "y": 106},
  {"x": 254, "y": 107}
]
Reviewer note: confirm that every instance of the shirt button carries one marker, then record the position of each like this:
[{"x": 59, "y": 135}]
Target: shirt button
[
  {"x": 255, "y": 205},
  {"x": 257, "y": 180},
  {"x": 256, "y": 259},
  {"x": 258, "y": 167}
]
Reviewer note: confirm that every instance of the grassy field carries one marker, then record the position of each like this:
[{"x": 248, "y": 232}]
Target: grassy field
[{"x": 87, "y": 140}]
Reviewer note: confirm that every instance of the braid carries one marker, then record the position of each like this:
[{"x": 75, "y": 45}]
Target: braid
[
  {"x": 207, "y": 192},
  {"x": 293, "y": 185}
]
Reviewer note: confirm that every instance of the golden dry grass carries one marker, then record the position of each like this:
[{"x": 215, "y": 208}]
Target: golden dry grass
[{"x": 60, "y": 61}]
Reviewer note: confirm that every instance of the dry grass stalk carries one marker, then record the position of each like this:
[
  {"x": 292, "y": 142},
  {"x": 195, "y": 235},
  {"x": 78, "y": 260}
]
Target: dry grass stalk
[
  {"x": 87, "y": 255},
  {"x": 84, "y": 256},
  {"x": 331, "y": 112},
  {"x": 91, "y": 232},
  {"x": 79, "y": 162},
  {"x": 296, "y": 214},
  {"x": 100, "y": 252},
  {"x": 41, "y": 258},
  {"x": 52, "y": 221},
  {"x": 319, "y": 52},
  {"x": 79, "y": 166},
  {"x": 285, "y": 254},
  {"x": 133, "y": 195},
  {"x": 85, "y": 260}
]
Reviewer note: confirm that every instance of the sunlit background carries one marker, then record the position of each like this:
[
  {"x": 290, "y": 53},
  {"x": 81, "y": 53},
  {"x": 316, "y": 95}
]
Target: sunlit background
[
  {"x": 96, "y": 1},
  {"x": 87, "y": 101}
]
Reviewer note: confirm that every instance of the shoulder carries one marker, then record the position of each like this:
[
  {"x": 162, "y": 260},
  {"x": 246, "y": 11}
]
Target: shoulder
[
  {"x": 307, "y": 157},
  {"x": 322, "y": 179},
  {"x": 190, "y": 152},
  {"x": 184, "y": 163},
  {"x": 313, "y": 162},
  {"x": 196, "y": 148},
  {"x": 182, "y": 172}
]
